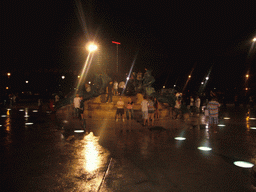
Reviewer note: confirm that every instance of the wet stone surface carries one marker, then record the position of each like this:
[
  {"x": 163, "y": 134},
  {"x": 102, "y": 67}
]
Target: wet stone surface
[{"x": 124, "y": 156}]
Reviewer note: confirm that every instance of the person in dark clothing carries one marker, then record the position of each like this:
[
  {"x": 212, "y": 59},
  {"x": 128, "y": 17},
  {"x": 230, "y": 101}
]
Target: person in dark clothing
[{"x": 109, "y": 91}]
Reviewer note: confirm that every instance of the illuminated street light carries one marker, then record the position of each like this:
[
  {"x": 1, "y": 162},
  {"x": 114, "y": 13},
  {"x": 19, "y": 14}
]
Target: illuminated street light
[
  {"x": 8, "y": 74},
  {"x": 207, "y": 78},
  {"x": 189, "y": 76},
  {"x": 7, "y": 88},
  {"x": 92, "y": 47},
  {"x": 78, "y": 76},
  {"x": 247, "y": 76},
  {"x": 202, "y": 83},
  {"x": 63, "y": 77},
  {"x": 254, "y": 39},
  {"x": 26, "y": 81}
]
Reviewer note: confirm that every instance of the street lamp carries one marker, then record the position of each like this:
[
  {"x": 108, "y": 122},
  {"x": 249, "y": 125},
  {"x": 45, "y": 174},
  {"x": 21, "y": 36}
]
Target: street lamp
[
  {"x": 247, "y": 76},
  {"x": 63, "y": 77},
  {"x": 92, "y": 47},
  {"x": 189, "y": 76},
  {"x": 8, "y": 74},
  {"x": 254, "y": 39},
  {"x": 117, "y": 43}
]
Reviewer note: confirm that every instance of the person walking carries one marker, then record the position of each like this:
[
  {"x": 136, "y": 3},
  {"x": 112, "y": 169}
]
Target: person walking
[
  {"x": 129, "y": 108},
  {"x": 144, "y": 109},
  {"x": 213, "y": 107},
  {"x": 76, "y": 105},
  {"x": 120, "y": 109},
  {"x": 151, "y": 111}
]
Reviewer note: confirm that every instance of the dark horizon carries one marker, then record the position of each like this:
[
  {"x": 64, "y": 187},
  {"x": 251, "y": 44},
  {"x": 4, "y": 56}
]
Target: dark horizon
[{"x": 169, "y": 38}]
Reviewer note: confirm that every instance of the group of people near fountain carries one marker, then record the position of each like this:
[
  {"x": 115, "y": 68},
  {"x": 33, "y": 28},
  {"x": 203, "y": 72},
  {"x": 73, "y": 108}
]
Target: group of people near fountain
[{"x": 149, "y": 108}]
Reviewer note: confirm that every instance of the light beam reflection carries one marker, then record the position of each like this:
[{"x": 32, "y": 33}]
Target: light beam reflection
[{"x": 91, "y": 153}]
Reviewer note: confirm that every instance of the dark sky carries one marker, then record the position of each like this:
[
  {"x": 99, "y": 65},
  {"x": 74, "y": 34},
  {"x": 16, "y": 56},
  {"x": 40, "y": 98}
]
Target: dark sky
[{"x": 170, "y": 37}]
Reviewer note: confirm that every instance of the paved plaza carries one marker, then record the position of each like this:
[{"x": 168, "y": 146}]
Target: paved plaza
[{"x": 53, "y": 152}]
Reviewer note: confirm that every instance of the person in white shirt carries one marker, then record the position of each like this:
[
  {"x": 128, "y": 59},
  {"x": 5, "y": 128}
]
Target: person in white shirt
[
  {"x": 120, "y": 109},
  {"x": 76, "y": 104},
  {"x": 144, "y": 109}
]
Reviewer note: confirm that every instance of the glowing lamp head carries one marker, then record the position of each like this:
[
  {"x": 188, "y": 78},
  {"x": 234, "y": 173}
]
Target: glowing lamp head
[
  {"x": 189, "y": 76},
  {"x": 92, "y": 47},
  {"x": 207, "y": 78},
  {"x": 8, "y": 74},
  {"x": 254, "y": 39},
  {"x": 63, "y": 77},
  {"x": 246, "y": 75}
]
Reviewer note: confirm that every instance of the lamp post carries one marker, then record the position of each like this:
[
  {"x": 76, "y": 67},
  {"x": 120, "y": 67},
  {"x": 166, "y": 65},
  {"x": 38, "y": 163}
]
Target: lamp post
[{"x": 117, "y": 43}]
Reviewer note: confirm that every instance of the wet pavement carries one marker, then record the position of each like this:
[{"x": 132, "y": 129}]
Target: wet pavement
[{"x": 53, "y": 152}]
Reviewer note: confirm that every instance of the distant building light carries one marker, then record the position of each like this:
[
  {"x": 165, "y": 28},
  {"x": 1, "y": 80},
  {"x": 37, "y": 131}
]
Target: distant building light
[
  {"x": 7, "y": 88},
  {"x": 202, "y": 83},
  {"x": 78, "y": 76},
  {"x": 214, "y": 88},
  {"x": 164, "y": 87},
  {"x": 8, "y": 74},
  {"x": 26, "y": 81},
  {"x": 63, "y": 77},
  {"x": 246, "y": 89},
  {"x": 89, "y": 82},
  {"x": 174, "y": 85}
]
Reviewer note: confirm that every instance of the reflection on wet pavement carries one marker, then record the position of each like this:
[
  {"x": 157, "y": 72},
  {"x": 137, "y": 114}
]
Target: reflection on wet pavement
[{"x": 110, "y": 156}]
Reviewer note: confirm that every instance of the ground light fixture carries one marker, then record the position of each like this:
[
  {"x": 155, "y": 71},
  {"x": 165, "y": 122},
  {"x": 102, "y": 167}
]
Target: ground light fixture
[
  {"x": 204, "y": 148},
  {"x": 21, "y": 109},
  {"x": 180, "y": 138},
  {"x": 226, "y": 118},
  {"x": 243, "y": 164},
  {"x": 79, "y": 131},
  {"x": 35, "y": 111},
  {"x": 221, "y": 125},
  {"x": 29, "y": 123}
]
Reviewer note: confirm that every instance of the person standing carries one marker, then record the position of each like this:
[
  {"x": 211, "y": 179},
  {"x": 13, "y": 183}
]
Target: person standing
[
  {"x": 57, "y": 98},
  {"x": 213, "y": 107},
  {"x": 144, "y": 109},
  {"x": 156, "y": 106},
  {"x": 115, "y": 86},
  {"x": 191, "y": 104},
  {"x": 76, "y": 104},
  {"x": 81, "y": 108},
  {"x": 109, "y": 91},
  {"x": 129, "y": 108},
  {"x": 177, "y": 108},
  {"x": 197, "y": 104},
  {"x": 121, "y": 87},
  {"x": 120, "y": 109},
  {"x": 151, "y": 111}
]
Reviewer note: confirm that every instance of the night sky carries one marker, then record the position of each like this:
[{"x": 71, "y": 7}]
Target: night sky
[{"x": 169, "y": 37}]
